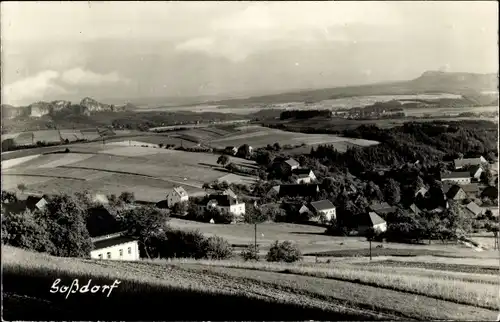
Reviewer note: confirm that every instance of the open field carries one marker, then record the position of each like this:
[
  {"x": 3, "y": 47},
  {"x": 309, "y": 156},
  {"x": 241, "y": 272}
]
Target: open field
[
  {"x": 116, "y": 167},
  {"x": 261, "y": 137},
  {"x": 311, "y": 239},
  {"x": 288, "y": 291}
]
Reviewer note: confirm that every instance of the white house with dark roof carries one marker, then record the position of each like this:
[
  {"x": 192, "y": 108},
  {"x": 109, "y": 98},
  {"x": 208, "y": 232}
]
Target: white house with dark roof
[
  {"x": 324, "y": 207},
  {"x": 457, "y": 177},
  {"x": 177, "y": 194},
  {"x": 224, "y": 203},
  {"x": 304, "y": 175},
  {"x": 115, "y": 247},
  {"x": 460, "y": 163},
  {"x": 371, "y": 220}
]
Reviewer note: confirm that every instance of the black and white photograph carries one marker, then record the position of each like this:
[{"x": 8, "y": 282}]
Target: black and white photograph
[{"x": 249, "y": 160}]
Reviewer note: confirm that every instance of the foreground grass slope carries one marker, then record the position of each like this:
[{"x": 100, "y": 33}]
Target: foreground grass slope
[{"x": 235, "y": 290}]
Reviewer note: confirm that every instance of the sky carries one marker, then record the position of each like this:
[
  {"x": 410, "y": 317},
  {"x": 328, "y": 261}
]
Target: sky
[{"x": 132, "y": 50}]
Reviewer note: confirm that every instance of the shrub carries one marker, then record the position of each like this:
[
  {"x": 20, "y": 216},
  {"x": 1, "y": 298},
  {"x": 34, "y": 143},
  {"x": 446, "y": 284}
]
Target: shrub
[
  {"x": 217, "y": 248},
  {"x": 127, "y": 197},
  {"x": 284, "y": 252},
  {"x": 66, "y": 150},
  {"x": 250, "y": 253}
]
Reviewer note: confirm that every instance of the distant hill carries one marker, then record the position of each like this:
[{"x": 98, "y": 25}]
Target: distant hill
[
  {"x": 87, "y": 106},
  {"x": 467, "y": 84}
]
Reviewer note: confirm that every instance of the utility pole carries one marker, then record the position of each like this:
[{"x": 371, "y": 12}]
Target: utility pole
[
  {"x": 370, "y": 249},
  {"x": 255, "y": 237}
]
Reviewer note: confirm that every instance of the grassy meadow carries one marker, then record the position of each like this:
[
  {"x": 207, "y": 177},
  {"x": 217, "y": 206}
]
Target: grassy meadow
[{"x": 233, "y": 289}]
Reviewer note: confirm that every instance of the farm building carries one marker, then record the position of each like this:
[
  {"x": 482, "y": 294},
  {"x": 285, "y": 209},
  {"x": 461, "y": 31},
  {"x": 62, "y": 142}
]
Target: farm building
[
  {"x": 115, "y": 247},
  {"x": 101, "y": 221},
  {"x": 304, "y": 175},
  {"x": 177, "y": 194},
  {"x": 474, "y": 208},
  {"x": 414, "y": 209},
  {"x": 295, "y": 190},
  {"x": 231, "y": 150},
  {"x": 291, "y": 164},
  {"x": 476, "y": 171},
  {"x": 371, "y": 220},
  {"x": 324, "y": 207},
  {"x": 230, "y": 193},
  {"x": 472, "y": 189},
  {"x": 382, "y": 208},
  {"x": 456, "y": 177},
  {"x": 460, "y": 163},
  {"x": 35, "y": 203},
  {"x": 455, "y": 192},
  {"x": 224, "y": 203}
]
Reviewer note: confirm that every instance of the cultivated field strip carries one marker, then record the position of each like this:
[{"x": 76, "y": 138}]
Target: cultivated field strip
[{"x": 205, "y": 277}]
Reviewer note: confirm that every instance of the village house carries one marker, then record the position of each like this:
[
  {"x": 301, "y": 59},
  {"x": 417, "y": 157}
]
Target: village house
[
  {"x": 177, "y": 194},
  {"x": 371, "y": 220},
  {"x": 229, "y": 192},
  {"x": 294, "y": 190},
  {"x": 35, "y": 203},
  {"x": 455, "y": 192},
  {"x": 232, "y": 150},
  {"x": 304, "y": 175},
  {"x": 115, "y": 247},
  {"x": 474, "y": 208},
  {"x": 414, "y": 209},
  {"x": 382, "y": 208},
  {"x": 325, "y": 208},
  {"x": 224, "y": 203},
  {"x": 421, "y": 193},
  {"x": 456, "y": 177},
  {"x": 476, "y": 171},
  {"x": 472, "y": 189},
  {"x": 291, "y": 165},
  {"x": 460, "y": 163}
]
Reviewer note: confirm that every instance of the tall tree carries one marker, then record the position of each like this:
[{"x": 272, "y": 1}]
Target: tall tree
[
  {"x": 223, "y": 160},
  {"x": 65, "y": 217},
  {"x": 392, "y": 192}
]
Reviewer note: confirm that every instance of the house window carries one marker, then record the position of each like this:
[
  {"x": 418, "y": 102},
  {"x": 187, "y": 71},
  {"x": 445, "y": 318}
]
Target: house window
[
  {"x": 130, "y": 250},
  {"x": 100, "y": 256},
  {"x": 121, "y": 252},
  {"x": 108, "y": 255}
]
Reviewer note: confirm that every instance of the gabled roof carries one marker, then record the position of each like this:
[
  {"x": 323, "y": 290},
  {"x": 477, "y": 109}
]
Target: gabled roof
[
  {"x": 470, "y": 188},
  {"x": 453, "y": 191},
  {"x": 112, "y": 242},
  {"x": 421, "y": 191},
  {"x": 369, "y": 219},
  {"x": 474, "y": 169},
  {"x": 303, "y": 190},
  {"x": 455, "y": 175},
  {"x": 382, "y": 208},
  {"x": 322, "y": 205},
  {"x": 292, "y": 163},
  {"x": 415, "y": 209},
  {"x": 474, "y": 208},
  {"x": 101, "y": 222},
  {"x": 33, "y": 202},
  {"x": 302, "y": 171},
  {"x": 222, "y": 200},
  {"x": 470, "y": 161},
  {"x": 230, "y": 193},
  {"x": 180, "y": 191}
]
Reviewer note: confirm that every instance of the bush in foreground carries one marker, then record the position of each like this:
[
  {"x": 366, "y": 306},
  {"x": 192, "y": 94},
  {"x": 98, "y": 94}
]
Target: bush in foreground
[
  {"x": 217, "y": 248},
  {"x": 284, "y": 252},
  {"x": 250, "y": 253}
]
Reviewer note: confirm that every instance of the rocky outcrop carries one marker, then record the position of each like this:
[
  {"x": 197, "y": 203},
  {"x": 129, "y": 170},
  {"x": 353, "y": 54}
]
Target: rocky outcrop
[{"x": 92, "y": 106}]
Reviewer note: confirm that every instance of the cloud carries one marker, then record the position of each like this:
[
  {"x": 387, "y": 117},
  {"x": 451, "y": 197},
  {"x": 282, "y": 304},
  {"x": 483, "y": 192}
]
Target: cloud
[
  {"x": 79, "y": 76},
  {"x": 33, "y": 88},
  {"x": 50, "y": 83}
]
